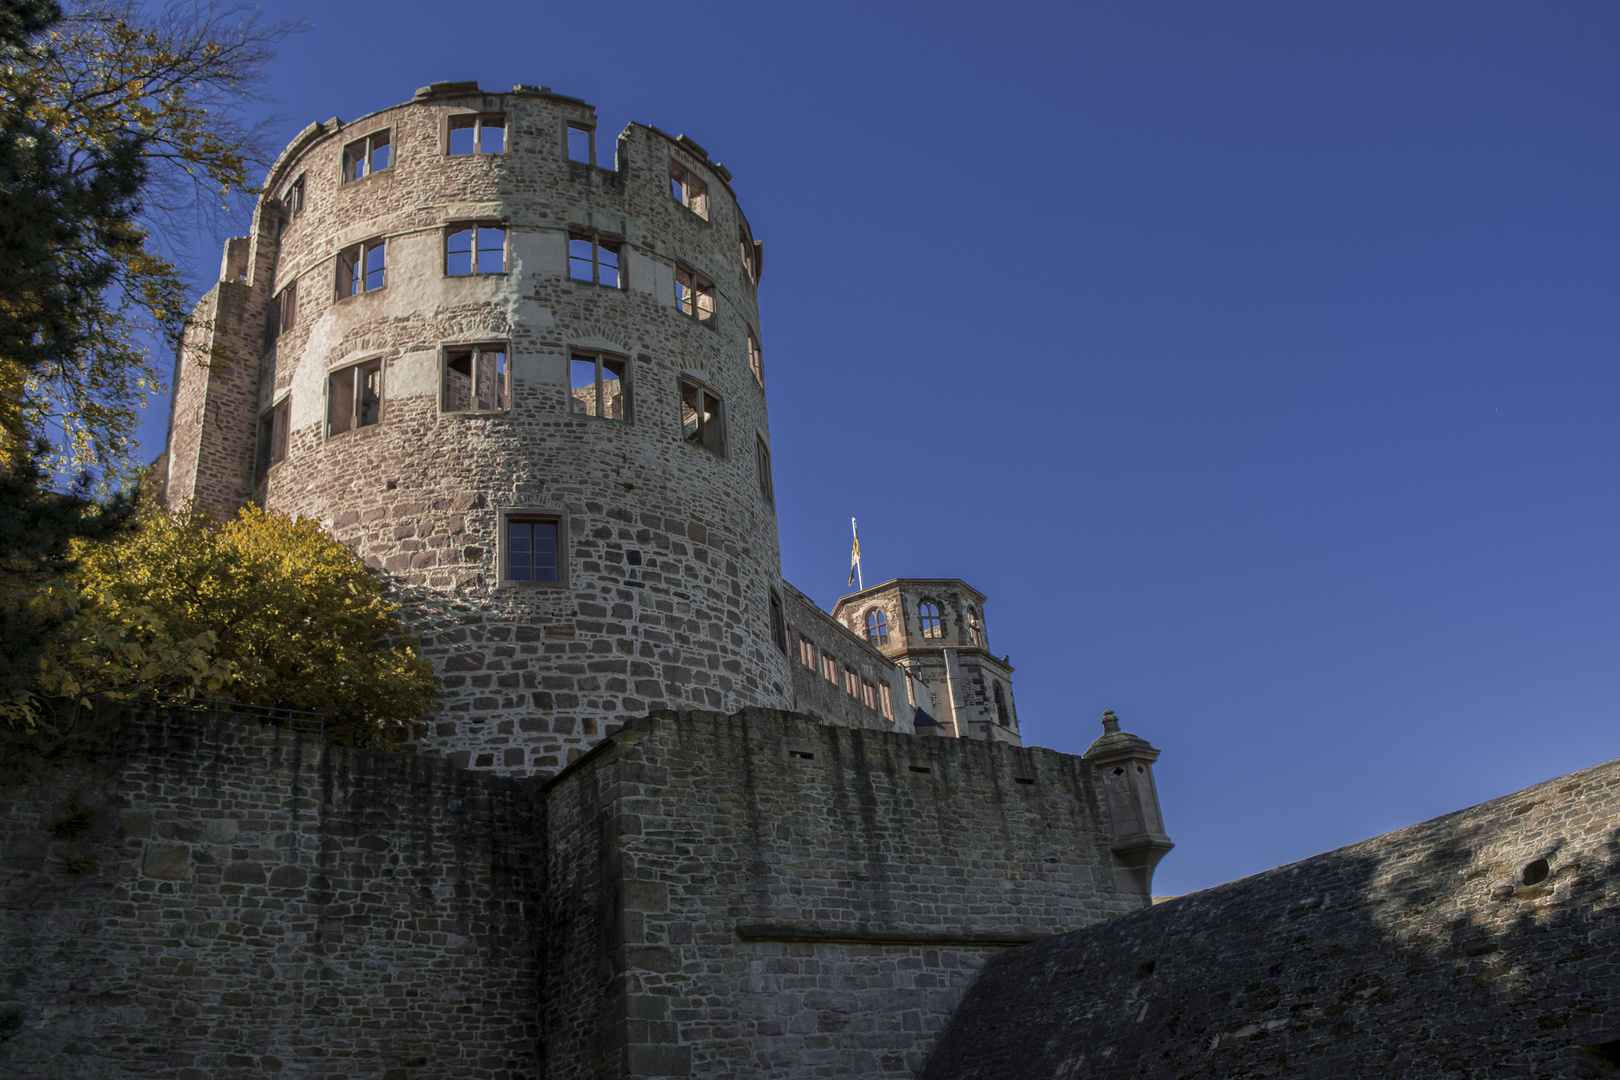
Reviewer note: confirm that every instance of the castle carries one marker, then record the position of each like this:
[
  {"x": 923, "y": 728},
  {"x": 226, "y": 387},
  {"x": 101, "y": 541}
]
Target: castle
[
  {"x": 530, "y": 386},
  {"x": 675, "y": 820}
]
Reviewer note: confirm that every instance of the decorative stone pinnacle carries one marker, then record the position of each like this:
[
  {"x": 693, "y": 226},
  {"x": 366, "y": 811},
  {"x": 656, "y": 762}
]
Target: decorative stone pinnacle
[{"x": 1110, "y": 722}]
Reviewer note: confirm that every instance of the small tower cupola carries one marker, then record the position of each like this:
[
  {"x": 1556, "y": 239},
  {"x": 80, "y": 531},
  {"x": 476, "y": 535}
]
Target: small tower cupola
[{"x": 1124, "y": 770}]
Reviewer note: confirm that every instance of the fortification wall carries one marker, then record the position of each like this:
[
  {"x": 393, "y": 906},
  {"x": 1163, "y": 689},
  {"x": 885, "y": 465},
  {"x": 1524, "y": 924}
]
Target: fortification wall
[
  {"x": 243, "y": 902},
  {"x": 790, "y": 899},
  {"x": 1481, "y": 944}
]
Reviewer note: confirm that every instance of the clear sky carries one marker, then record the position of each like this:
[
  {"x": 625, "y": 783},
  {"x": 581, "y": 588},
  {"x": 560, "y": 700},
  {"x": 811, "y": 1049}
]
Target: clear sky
[{"x": 1257, "y": 360}]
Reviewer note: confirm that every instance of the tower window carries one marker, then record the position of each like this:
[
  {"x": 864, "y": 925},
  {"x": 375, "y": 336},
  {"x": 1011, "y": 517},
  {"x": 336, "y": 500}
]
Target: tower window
[
  {"x": 688, "y": 190},
  {"x": 361, "y": 268},
  {"x": 932, "y": 626},
  {"x": 778, "y": 624},
  {"x": 694, "y": 294},
  {"x": 756, "y": 362},
  {"x": 531, "y": 549},
  {"x": 829, "y": 669},
  {"x": 807, "y": 653},
  {"x": 292, "y": 204},
  {"x": 877, "y": 627},
  {"x": 868, "y": 694},
  {"x": 599, "y": 386},
  {"x": 581, "y": 143},
  {"x": 762, "y": 459},
  {"x": 273, "y": 436},
  {"x": 354, "y": 397},
  {"x": 477, "y": 378},
  {"x": 366, "y": 156},
  {"x": 886, "y": 702},
  {"x": 1003, "y": 714},
  {"x": 282, "y": 314},
  {"x": 746, "y": 244},
  {"x": 477, "y": 133},
  {"x": 975, "y": 630},
  {"x": 703, "y": 417},
  {"x": 475, "y": 249},
  {"x": 852, "y": 683},
  {"x": 590, "y": 258}
]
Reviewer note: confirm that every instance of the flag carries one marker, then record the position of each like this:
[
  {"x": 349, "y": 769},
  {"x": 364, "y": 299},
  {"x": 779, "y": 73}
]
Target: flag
[{"x": 854, "y": 553}]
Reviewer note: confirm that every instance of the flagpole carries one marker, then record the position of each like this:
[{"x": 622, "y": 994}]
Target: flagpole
[{"x": 855, "y": 555}]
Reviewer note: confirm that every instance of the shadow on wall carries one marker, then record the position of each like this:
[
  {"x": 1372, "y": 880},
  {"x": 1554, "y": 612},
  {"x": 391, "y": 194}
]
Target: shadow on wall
[{"x": 1481, "y": 944}]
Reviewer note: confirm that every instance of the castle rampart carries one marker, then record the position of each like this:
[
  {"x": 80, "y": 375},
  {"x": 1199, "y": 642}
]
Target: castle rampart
[
  {"x": 755, "y": 895},
  {"x": 1485, "y": 943}
]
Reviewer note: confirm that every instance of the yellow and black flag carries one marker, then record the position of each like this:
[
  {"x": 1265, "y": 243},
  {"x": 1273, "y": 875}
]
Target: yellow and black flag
[{"x": 855, "y": 555}]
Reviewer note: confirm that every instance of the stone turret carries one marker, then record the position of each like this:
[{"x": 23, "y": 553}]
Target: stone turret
[{"x": 1124, "y": 768}]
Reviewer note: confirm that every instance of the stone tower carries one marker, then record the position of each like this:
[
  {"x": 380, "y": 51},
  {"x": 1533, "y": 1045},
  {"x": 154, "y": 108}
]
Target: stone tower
[
  {"x": 934, "y": 628},
  {"x": 519, "y": 371}
]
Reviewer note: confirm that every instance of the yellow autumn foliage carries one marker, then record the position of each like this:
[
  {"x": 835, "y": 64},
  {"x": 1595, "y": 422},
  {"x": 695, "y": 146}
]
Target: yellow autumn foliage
[{"x": 260, "y": 608}]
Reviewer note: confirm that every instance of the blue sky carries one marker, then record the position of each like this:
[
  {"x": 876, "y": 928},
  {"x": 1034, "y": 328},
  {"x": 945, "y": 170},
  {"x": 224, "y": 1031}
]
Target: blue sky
[{"x": 1257, "y": 360}]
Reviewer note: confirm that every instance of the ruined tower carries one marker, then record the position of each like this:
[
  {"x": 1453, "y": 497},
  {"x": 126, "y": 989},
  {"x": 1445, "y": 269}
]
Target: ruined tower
[
  {"x": 520, "y": 371},
  {"x": 522, "y": 376}
]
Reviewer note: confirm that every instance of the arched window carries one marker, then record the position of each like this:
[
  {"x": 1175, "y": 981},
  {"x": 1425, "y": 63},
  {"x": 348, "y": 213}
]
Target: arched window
[
  {"x": 975, "y": 631},
  {"x": 877, "y": 627},
  {"x": 1002, "y": 715},
  {"x": 928, "y": 611}
]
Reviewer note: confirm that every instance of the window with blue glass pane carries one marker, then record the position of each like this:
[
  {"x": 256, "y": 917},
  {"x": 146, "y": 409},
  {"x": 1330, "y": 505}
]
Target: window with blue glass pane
[{"x": 531, "y": 550}]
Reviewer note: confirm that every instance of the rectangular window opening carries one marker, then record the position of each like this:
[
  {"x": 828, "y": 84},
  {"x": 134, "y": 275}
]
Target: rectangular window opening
[
  {"x": 702, "y": 417},
  {"x": 354, "y": 397},
  {"x": 531, "y": 549},
  {"x": 477, "y": 378},
  {"x": 366, "y": 156},
  {"x": 591, "y": 258},
  {"x": 688, "y": 190},
  {"x": 599, "y": 386},
  {"x": 801, "y": 755},
  {"x": 778, "y": 624},
  {"x": 746, "y": 246},
  {"x": 694, "y": 294},
  {"x": 475, "y": 248},
  {"x": 477, "y": 133},
  {"x": 582, "y": 144},
  {"x": 756, "y": 360},
  {"x": 763, "y": 460},
  {"x": 886, "y": 698},
  {"x": 362, "y": 268},
  {"x": 922, "y": 769},
  {"x": 852, "y": 683},
  {"x": 273, "y": 436},
  {"x": 807, "y": 653},
  {"x": 868, "y": 694}
]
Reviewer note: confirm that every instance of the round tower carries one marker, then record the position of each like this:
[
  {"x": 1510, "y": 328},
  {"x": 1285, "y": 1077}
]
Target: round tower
[{"x": 520, "y": 371}]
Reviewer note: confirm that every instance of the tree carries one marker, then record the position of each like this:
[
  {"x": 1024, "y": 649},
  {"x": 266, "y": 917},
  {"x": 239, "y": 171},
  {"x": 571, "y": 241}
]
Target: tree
[
  {"x": 117, "y": 129},
  {"x": 110, "y": 123},
  {"x": 261, "y": 608}
]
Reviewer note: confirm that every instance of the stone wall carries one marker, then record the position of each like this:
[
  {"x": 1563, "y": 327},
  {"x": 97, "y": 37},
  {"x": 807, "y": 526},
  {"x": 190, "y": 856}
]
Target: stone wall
[
  {"x": 1481, "y": 944},
  {"x": 210, "y": 897},
  {"x": 829, "y": 699},
  {"x": 784, "y": 898}
]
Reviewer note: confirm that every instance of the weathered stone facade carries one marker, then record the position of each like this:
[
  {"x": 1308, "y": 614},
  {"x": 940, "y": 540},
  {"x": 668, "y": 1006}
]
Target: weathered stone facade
[
  {"x": 212, "y": 897},
  {"x": 934, "y": 629},
  {"x": 329, "y": 375},
  {"x": 1481, "y": 944},
  {"x": 755, "y": 895}
]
